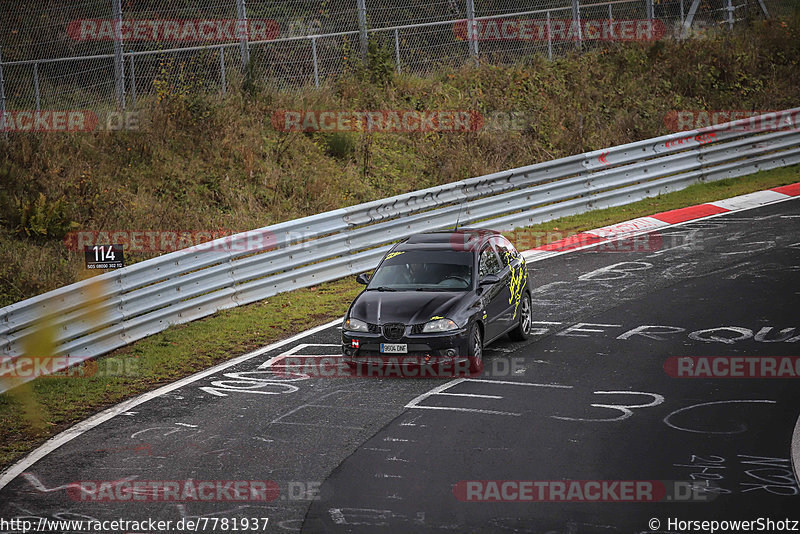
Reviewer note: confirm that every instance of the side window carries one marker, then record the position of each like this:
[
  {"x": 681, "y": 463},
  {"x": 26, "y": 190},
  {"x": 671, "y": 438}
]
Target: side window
[
  {"x": 489, "y": 264},
  {"x": 506, "y": 250}
]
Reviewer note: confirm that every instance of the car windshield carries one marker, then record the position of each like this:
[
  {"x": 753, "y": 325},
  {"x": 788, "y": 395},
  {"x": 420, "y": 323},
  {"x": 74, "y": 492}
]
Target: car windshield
[{"x": 424, "y": 271}]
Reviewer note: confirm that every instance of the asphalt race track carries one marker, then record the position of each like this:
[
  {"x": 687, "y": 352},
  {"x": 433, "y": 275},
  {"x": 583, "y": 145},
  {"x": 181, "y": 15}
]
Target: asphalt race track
[{"x": 588, "y": 398}]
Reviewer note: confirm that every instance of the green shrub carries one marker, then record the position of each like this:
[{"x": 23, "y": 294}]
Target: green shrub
[
  {"x": 380, "y": 65},
  {"x": 40, "y": 217},
  {"x": 339, "y": 145}
]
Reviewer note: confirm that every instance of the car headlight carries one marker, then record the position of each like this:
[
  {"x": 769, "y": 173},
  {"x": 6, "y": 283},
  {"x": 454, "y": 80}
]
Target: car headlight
[
  {"x": 439, "y": 325},
  {"x": 355, "y": 325}
]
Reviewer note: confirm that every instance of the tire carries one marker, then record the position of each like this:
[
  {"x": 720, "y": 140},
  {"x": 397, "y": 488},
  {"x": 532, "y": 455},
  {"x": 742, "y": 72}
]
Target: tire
[
  {"x": 523, "y": 329},
  {"x": 475, "y": 350}
]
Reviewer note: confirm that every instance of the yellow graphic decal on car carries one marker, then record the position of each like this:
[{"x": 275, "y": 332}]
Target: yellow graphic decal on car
[
  {"x": 436, "y": 318},
  {"x": 393, "y": 254},
  {"x": 519, "y": 279}
]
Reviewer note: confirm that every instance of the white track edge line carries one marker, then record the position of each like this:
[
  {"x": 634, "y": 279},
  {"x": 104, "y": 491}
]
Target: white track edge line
[{"x": 73, "y": 432}]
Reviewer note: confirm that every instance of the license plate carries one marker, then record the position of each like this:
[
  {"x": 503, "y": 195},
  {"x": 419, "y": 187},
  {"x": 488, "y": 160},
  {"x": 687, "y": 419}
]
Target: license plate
[{"x": 394, "y": 348}]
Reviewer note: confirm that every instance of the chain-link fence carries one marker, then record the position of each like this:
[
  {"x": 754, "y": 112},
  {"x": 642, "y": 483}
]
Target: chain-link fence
[{"x": 107, "y": 54}]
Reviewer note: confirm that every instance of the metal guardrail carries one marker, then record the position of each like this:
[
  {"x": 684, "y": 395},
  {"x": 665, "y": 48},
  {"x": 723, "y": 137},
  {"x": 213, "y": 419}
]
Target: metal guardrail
[{"x": 93, "y": 317}]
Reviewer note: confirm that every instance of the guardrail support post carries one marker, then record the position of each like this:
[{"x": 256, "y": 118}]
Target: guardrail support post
[
  {"x": 222, "y": 70},
  {"x": 119, "y": 65},
  {"x": 314, "y": 57},
  {"x": 36, "y": 94},
  {"x": 362, "y": 29},
  {"x": 244, "y": 33},
  {"x": 133, "y": 83},
  {"x": 472, "y": 31},
  {"x": 2, "y": 98}
]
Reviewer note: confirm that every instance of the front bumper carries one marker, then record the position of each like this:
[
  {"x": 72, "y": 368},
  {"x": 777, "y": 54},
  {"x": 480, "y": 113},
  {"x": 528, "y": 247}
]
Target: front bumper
[{"x": 442, "y": 347}]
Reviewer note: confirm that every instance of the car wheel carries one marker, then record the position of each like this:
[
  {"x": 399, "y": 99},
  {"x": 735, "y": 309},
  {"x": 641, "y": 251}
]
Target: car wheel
[
  {"x": 475, "y": 350},
  {"x": 523, "y": 329}
]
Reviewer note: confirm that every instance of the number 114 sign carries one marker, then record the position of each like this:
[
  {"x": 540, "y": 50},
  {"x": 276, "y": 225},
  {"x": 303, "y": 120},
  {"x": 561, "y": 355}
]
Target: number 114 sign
[{"x": 104, "y": 257}]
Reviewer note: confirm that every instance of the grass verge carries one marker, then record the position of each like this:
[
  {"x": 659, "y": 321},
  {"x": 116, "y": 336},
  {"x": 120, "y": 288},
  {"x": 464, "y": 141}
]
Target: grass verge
[{"x": 46, "y": 406}]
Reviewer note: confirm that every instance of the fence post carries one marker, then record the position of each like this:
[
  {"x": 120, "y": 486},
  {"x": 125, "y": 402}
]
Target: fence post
[
  {"x": 472, "y": 33},
  {"x": 397, "y": 49},
  {"x": 687, "y": 23},
  {"x": 648, "y": 7},
  {"x": 244, "y": 32},
  {"x": 119, "y": 65},
  {"x": 682, "y": 15},
  {"x": 133, "y": 82},
  {"x": 2, "y": 99},
  {"x": 549, "y": 39},
  {"x": 576, "y": 21},
  {"x": 222, "y": 70},
  {"x": 730, "y": 15},
  {"x": 314, "y": 56},
  {"x": 36, "y": 94},
  {"x": 362, "y": 28}
]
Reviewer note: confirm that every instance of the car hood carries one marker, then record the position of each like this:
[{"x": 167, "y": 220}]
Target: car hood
[{"x": 408, "y": 307}]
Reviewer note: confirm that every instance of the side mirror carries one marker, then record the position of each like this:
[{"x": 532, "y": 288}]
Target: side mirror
[
  {"x": 362, "y": 278},
  {"x": 489, "y": 280}
]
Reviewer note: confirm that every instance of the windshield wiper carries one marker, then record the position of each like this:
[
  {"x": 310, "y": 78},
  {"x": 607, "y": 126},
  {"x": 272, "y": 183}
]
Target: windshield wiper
[
  {"x": 382, "y": 288},
  {"x": 446, "y": 289}
]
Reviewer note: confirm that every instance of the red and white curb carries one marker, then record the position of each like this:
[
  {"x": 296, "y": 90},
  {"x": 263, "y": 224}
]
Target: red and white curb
[{"x": 634, "y": 227}]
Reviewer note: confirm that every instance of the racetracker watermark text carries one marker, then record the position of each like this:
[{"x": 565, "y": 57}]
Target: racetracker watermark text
[
  {"x": 172, "y": 240},
  {"x": 748, "y": 121},
  {"x": 394, "y": 121},
  {"x": 177, "y": 490},
  {"x": 397, "y": 366},
  {"x": 68, "y": 121},
  {"x": 733, "y": 367},
  {"x": 579, "y": 491},
  {"x": 208, "y": 30},
  {"x": 30, "y": 367},
  {"x": 560, "y": 30}
]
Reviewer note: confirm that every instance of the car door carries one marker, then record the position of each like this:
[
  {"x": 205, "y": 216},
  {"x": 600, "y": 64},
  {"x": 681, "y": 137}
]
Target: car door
[
  {"x": 515, "y": 274},
  {"x": 494, "y": 296},
  {"x": 507, "y": 273}
]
